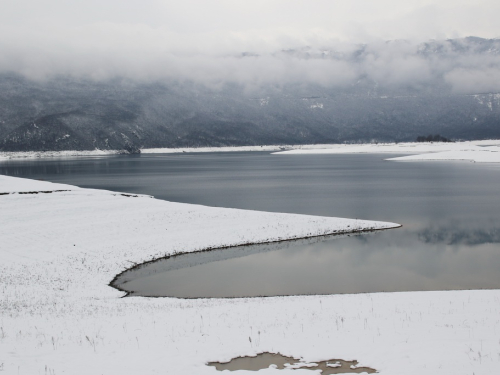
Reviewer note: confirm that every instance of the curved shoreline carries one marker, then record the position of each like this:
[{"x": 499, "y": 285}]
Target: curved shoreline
[
  {"x": 113, "y": 283},
  {"x": 58, "y": 314}
]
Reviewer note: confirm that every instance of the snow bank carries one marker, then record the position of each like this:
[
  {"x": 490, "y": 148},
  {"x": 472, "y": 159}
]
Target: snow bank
[
  {"x": 236, "y": 148},
  {"x": 4, "y": 155},
  {"x": 487, "y": 142},
  {"x": 59, "y": 251},
  {"x": 11, "y": 185},
  {"x": 212, "y": 149},
  {"x": 481, "y": 155},
  {"x": 73, "y": 153},
  {"x": 410, "y": 147},
  {"x": 385, "y": 148},
  {"x": 471, "y": 151}
]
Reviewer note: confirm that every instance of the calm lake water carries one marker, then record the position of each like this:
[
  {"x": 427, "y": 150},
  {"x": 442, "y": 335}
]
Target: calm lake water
[{"x": 450, "y": 213}]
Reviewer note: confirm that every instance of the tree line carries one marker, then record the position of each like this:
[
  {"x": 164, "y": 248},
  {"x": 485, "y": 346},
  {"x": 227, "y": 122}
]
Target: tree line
[{"x": 432, "y": 138}]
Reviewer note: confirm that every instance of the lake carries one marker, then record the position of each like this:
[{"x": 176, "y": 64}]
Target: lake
[{"x": 450, "y": 213}]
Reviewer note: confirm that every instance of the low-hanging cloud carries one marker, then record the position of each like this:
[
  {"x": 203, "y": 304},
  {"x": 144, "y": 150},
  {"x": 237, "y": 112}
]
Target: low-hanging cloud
[
  {"x": 482, "y": 80},
  {"x": 333, "y": 44}
]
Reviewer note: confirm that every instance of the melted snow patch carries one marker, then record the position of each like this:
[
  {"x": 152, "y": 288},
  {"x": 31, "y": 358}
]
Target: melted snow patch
[{"x": 278, "y": 361}]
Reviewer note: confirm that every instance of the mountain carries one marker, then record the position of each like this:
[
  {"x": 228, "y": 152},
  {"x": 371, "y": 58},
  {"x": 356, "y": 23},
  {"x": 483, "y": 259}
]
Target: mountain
[{"x": 400, "y": 91}]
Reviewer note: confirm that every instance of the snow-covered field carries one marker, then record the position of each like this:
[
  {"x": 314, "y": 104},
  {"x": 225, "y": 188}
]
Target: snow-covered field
[
  {"x": 61, "y": 247},
  {"x": 477, "y": 151}
]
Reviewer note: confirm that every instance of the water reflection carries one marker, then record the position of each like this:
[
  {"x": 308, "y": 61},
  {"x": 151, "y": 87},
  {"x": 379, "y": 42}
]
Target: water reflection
[
  {"x": 390, "y": 261},
  {"x": 456, "y": 235},
  {"x": 450, "y": 213}
]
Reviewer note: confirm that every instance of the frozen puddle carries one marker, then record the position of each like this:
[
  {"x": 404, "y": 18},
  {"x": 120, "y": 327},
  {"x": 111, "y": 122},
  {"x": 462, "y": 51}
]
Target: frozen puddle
[{"x": 278, "y": 361}]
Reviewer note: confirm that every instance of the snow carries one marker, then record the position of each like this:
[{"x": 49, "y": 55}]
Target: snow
[
  {"x": 482, "y": 155},
  {"x": 15, "y": 185},
  {"x": 486, "y": 151},
  {"x": 409, "y": 147},
  {"x": 64, "y": 154},
  {"x": 487, "y": 142},
  {"x": 5, "y": 155},
  {"x": 384, "y": 148},
  {"x": 211, "y": 149},
  {"x": 59, "y": 251}
]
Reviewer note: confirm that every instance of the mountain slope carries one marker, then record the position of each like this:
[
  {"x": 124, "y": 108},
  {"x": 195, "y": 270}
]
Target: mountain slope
[{"x": 69, "y": 113}]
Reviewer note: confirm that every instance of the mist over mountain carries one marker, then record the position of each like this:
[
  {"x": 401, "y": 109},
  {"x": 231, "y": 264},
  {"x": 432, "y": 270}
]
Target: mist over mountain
[{"x": 380, "y": 91}]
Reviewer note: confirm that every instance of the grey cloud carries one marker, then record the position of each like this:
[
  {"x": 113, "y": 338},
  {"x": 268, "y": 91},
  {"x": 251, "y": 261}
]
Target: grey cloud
[
  {"x": 146, "y": 54},
  {"x": 476, "y": 80}
]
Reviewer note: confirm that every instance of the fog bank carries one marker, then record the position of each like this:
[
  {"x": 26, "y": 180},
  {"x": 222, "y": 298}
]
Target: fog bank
[{"x": 277, "y": 42}]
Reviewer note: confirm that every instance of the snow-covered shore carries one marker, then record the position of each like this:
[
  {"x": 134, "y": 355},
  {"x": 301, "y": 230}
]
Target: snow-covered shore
[
  {"x": 478, "y": 155},
  {"x": 409, "y": 148},
  {"x": 4, "y": 155},
  {"x": 74, "y": 153},
  {"x": 61, "y": 245},
  {"x": 214, "y": 149},
  {"x": 476, "y": 151}
]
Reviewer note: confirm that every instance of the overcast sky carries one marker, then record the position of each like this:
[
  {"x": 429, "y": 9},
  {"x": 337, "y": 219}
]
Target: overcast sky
[
  {"x": 147, "y": 38},
  {"x": 268, "y": 19}
]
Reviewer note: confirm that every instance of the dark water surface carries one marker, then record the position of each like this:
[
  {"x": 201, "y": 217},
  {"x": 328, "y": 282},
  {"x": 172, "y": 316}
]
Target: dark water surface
[{"x": 450, "y": 213}]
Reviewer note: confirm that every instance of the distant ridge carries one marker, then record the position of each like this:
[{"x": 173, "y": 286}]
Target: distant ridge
[{"x": 380, "y": 103}]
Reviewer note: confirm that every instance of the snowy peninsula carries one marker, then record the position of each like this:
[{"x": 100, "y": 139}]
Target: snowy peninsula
[
  {"x": 61, "y": 246},
  {"x": 487, "y": 151}
]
